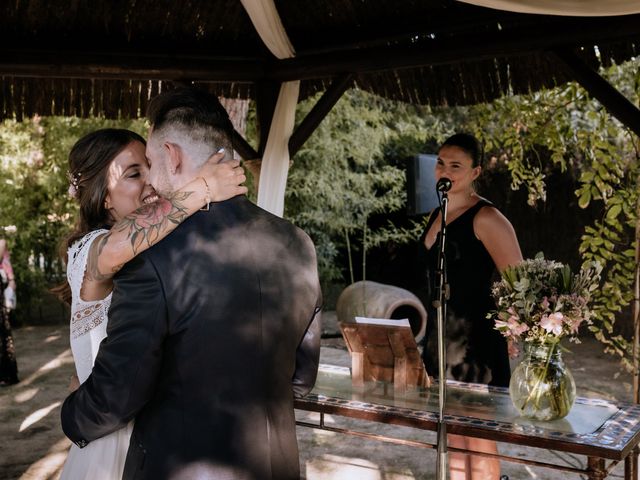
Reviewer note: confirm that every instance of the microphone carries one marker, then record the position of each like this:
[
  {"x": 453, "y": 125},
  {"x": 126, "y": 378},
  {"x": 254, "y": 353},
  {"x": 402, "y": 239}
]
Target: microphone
[{"x": 443, "y": 185}]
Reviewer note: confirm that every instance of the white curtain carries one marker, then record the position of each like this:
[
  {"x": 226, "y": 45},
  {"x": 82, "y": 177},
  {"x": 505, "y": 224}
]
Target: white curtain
[
  {"x": 578, "y": 8},
  {"x": 266, "y": 21},
  {"x": 275, "y": 161}
]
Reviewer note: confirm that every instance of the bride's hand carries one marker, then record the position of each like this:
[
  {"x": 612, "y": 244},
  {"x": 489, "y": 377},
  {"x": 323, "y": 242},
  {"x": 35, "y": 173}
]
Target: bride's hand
[
  {"x": 224, "y": 179},
  {"x": 74, "y": 383}
]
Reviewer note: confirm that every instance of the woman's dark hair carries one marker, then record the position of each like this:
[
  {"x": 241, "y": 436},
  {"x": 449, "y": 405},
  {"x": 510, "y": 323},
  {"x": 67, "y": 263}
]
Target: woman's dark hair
[
  {"x": 89, "y": 161},
  {"x": 469, "y": 144}
]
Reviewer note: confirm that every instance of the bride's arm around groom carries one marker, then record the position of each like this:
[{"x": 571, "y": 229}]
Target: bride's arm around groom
[{"x": 211, "y": 333}]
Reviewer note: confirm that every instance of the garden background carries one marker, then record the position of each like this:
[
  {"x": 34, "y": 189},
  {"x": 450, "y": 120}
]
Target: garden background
[{"x": 556, "y": 163}]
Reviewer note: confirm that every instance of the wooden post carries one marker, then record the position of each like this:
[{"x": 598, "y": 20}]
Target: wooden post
[
  {"x": 244, "y": 149},
  {"x": 399, "y": 363},
  {"x": 320, "y": 110},
  {"x": 631, "y": 465},
  {"x": 357, "y": 369},
  {"x": 595, "y": 468},
  {"x": 266, "y": 99},
  {"x": 357, "y": 357}
]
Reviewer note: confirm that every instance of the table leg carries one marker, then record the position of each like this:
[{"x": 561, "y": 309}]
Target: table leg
[
  {"x": 631, "y": 465},
  {"x": 596, "y": 469}
]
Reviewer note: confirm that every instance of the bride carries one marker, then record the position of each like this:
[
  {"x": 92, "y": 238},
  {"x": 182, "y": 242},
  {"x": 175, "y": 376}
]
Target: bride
[{"x": 120, "y": 215}]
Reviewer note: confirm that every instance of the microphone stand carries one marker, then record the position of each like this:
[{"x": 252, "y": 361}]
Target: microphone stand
[{"x": 440, "y": 303}]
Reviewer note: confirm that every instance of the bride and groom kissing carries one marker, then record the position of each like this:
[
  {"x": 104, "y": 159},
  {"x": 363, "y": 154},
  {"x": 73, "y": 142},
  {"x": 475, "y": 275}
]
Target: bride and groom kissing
[{"x": 212, "y": 307}]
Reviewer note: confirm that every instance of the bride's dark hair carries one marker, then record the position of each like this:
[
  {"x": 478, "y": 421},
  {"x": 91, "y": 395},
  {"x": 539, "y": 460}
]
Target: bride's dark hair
[{"x": 89, "y": 161}]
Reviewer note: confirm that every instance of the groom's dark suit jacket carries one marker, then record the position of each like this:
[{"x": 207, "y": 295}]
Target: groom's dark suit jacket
[{"x": 211, "y": 333}]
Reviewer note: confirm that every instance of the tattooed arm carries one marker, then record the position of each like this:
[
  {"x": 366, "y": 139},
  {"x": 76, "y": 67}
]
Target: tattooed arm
[{"x": 150, "y": 223}]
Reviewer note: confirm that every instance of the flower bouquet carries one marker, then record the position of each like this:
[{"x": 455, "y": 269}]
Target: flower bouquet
[{"x": 539, "y": 302}]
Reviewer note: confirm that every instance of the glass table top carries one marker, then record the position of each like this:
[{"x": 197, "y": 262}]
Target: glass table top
[{"x": 463, "y": 400}]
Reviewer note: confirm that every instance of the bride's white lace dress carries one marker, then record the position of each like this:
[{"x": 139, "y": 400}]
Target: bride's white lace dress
[{"x": 102, "y": 459}]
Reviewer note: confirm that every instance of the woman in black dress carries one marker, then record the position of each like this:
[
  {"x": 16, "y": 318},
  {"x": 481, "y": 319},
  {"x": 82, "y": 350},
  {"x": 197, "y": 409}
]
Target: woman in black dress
[{"x": 480, "y": 240}]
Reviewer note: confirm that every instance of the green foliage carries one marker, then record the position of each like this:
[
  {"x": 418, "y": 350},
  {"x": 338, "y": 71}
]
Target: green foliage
[
  {"x": 351, "y": 171},
  {"x": 34, "y": 200},
  {"x": 566, "y": 128},
  {"x": 339, "y": 180}
]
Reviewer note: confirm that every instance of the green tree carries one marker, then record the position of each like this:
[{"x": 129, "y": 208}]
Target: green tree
[
  {"x": 35, "y": 209},
  {"x": 342, "y": 176}
]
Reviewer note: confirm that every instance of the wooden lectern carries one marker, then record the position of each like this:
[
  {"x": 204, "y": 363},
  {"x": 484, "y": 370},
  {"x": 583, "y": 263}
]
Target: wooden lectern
[{"x": 384, "y": 350}]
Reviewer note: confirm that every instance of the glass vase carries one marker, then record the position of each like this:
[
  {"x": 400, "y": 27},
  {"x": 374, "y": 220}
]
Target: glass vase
[{"x": 542, "y": 387}]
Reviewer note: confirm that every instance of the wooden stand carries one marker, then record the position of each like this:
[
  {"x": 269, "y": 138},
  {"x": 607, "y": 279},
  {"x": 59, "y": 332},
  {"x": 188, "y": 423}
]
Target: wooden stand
[{"x": 385, "y": 353}]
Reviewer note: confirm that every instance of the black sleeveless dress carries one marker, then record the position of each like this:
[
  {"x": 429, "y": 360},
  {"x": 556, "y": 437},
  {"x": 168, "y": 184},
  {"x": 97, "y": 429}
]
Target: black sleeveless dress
[{"x": 475, "y": 351}]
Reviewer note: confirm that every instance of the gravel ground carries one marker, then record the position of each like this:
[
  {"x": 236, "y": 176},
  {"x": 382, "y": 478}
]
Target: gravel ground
[{"x": 32, "y": 445}]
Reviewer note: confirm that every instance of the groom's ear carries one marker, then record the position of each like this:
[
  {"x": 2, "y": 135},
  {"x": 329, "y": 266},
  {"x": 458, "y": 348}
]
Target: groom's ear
[{"x": 175, "y": 157}]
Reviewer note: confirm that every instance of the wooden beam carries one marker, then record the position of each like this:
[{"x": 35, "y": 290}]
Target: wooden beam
[
  {"x": 616, "y": 103},
  {"x": 122, "y": 65},
  {"x": 318, "y": 112},
  {"x": 456, "y": 49},
  {"x": 244, "y": 149},
  {"x": 385, "y": 33},
  {"x": 442, "y": 49},
  {"x": 266, "y": 99}
]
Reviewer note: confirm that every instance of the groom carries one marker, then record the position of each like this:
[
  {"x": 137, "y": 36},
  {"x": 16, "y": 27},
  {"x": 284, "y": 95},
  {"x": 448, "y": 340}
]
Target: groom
[{"x": 211, "y": 333}]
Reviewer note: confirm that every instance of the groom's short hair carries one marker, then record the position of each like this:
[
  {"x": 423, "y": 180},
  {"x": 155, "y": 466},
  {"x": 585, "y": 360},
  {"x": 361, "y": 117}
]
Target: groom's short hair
[{"x": 194, "y": 116}]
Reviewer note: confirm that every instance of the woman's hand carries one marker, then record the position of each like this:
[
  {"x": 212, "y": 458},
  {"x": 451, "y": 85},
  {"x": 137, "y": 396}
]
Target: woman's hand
[
  {"x": 224, "y": 179},
  {"x": 74, "y": 383}
]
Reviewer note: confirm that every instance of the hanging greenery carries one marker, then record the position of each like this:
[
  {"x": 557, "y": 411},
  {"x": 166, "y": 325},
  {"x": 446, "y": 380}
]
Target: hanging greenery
[
  {"x": 352, "y": 170},
  {"x": 565, "y": 127},
  {"x": 343, "y": 174}
]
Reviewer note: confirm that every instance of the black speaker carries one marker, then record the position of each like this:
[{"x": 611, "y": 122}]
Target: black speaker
[{"x": 421, "y": 184}]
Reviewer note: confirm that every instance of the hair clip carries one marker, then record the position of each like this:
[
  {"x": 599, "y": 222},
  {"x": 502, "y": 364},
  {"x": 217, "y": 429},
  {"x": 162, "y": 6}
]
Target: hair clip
[{"x": 73, "y": 184}]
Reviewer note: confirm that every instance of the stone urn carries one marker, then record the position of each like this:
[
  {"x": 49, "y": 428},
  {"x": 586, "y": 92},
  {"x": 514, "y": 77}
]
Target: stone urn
[{"x": 378, "y": 300}]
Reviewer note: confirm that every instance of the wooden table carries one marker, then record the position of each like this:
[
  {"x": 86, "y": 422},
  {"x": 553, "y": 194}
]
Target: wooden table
[{"x": 603, "y": 431}]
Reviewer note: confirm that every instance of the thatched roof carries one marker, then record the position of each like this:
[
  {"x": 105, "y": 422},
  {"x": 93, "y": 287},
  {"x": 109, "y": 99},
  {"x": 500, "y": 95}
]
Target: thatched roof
[{"x": 108, "y": 57}]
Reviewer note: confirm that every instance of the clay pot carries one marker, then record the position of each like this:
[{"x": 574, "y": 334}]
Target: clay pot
[{"x": 377, "y": 300}]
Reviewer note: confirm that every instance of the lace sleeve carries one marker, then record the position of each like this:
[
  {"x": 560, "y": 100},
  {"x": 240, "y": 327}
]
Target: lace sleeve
[{"x": 78, "y": 254}]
